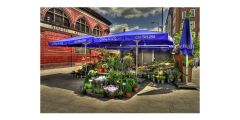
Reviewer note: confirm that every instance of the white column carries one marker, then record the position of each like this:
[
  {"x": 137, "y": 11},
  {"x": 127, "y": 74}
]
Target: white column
[
  {"x": 85, "y": 46},
  {"x": 137, "y": 41},
  {"x": 186, "y": 68}
]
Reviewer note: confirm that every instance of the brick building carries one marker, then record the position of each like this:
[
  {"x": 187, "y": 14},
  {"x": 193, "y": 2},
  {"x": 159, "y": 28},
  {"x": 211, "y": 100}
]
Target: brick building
[
  {"x": 176, "y": 17},
  {"x": 60, "y": 23}
]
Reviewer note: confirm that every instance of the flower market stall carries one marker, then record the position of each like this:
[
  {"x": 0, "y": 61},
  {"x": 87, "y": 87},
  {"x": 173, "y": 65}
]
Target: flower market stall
[{"x": 118, "y": 77}]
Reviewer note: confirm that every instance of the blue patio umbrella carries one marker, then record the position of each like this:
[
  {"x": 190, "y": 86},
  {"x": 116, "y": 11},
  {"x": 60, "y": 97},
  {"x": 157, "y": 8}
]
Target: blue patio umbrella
[
  {"x": 186, "y": 43},
  {"x": 134, "y": 38},
  {"x": 78, "y": 41}
]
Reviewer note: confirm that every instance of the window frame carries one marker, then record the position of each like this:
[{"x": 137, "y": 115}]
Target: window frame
[
  {"x": 193, "y": 12},
  {"x": 64, "y": 18},
  {"x": 184, "y": 14},
  {"x": 82, "y": 25},
  {"x": 97, "y": 31}
]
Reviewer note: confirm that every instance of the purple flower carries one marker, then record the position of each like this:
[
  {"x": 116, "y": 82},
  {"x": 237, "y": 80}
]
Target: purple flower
[
  {"x": 101, "y": 78},
  {"x": 111, "y": 88}
]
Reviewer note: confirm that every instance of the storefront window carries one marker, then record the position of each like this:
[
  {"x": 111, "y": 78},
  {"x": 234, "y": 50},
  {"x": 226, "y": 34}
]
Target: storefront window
[
  {"x": 97, "y": 31},
  {"x": 82, "y": 26},
  {"x": 57, "y": 16}
]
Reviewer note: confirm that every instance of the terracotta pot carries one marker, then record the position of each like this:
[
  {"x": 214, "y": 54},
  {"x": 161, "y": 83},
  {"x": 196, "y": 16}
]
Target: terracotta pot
[
  {"x": 100, "y": 69},
  {"x": 128, "y": 95},
  {"x": 136, "y": 89}
]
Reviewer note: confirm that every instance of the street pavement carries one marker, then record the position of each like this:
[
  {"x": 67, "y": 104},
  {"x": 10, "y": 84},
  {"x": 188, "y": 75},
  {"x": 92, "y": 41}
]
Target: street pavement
[{"x": 59, "y": 95}]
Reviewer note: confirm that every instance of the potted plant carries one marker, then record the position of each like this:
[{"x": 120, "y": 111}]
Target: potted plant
[
  {"x": 98, "y": 92},
  {"x": 135, "y": 85},
  {"x": 111, "y": 90},
  {"x": 105, "y": 66},
  {"x": 128, "y": 90},
  {"x": 93, "y": 73},
  {"x": 170, "y": 78},
  {"x": 100, "y": 67},
  {"x": 158, "y": 77},
  {"x": 127, "y": 61},
  {"x": 120, "y": 94},
  {"x": 88, "y": 87},
  {"x": 162, "y": 79}
]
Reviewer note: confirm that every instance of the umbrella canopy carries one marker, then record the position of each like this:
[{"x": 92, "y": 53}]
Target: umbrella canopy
[
  {"x": 77, "y": 41},
  {"x": 186, "y": 42},
  {"x": 145, "y": 37}
]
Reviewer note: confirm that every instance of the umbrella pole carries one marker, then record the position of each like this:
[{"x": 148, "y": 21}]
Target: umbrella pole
[
  {"x": 136, "y": 56},
  {"x": 186, "y": 68},
  {"x": 85, "y": 46}
]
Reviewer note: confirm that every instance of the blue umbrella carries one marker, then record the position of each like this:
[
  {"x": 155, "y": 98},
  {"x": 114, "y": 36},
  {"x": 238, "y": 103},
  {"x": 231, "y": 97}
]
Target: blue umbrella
[
  {"x": 186, "y": 43},
  {"x": 78, "y": 41},
  {"x": 134, "y": 38}
]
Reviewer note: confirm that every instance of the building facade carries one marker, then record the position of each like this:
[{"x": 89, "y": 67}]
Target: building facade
[
  {"x": 176, "y": 17},
  {"x": 60, "y": 23}
]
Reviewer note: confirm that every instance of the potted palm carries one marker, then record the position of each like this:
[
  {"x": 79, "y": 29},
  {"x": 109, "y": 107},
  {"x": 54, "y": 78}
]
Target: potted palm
[
  {"x": 128, "y": 91},
  {"x": 135, "y": 85}
]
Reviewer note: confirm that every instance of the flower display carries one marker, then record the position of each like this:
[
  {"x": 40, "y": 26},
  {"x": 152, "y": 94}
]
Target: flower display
[
  {"x": 111, "y": 91},
  {"x": 110, "y": 88},
  {"x": 101, "y": 78}
]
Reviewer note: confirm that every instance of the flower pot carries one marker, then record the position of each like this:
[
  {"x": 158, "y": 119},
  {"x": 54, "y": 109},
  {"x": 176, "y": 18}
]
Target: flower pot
[
  {"x": 136, "y": 89},
  {"x": 100, "y": 69},
  {"x": 128, "y": 94}
]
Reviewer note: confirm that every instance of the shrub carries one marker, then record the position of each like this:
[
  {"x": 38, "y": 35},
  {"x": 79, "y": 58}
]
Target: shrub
[
  {"x": 88, "y": 86},
  {"x": 98, "y": 91}
]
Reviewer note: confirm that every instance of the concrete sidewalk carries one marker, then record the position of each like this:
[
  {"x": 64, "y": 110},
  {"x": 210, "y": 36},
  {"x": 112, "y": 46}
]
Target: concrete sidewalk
[{"x": 58, "y": 70}]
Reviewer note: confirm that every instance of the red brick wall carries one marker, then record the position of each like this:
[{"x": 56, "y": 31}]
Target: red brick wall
[
  {"x": 60, "y": 55},
  {"x": 65, "y": 55}
]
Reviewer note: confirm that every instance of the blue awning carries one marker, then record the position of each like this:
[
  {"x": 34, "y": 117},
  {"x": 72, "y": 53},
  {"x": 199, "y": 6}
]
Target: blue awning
[{"x": 77, "y": 41}]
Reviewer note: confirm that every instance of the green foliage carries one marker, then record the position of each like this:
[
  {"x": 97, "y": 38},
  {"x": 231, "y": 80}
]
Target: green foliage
[
  {"x": 88, "y": 86},
  {"x": 128, "y": 61},
  {"x": 176, "y": 73},
  {"x": 115, "y": 77},
  {"x": 113, "y": 62},
  {"x": 98, "y": 91},
  {"x": 120, "y": 93},
  {"x": 128, "y": 88},
  {"x": 93, "y": 73}
]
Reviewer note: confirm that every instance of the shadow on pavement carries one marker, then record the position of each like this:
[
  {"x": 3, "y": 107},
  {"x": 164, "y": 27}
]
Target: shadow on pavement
[
  {"x": 154, "y": 92},
  {"x": 64, "y": 81}
]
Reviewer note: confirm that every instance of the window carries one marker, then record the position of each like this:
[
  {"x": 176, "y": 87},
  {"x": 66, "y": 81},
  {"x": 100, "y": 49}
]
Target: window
[
  {"x": 97, "y": 31},
  {"x": 57, "y": 16},
  {"x": 82, "y": 26},
  {"x": 183, "y": 14},
  {"x": 192, "y": 24},
  {"x": 192, "y": 12},
  {"x": 81, "y": 50}
]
